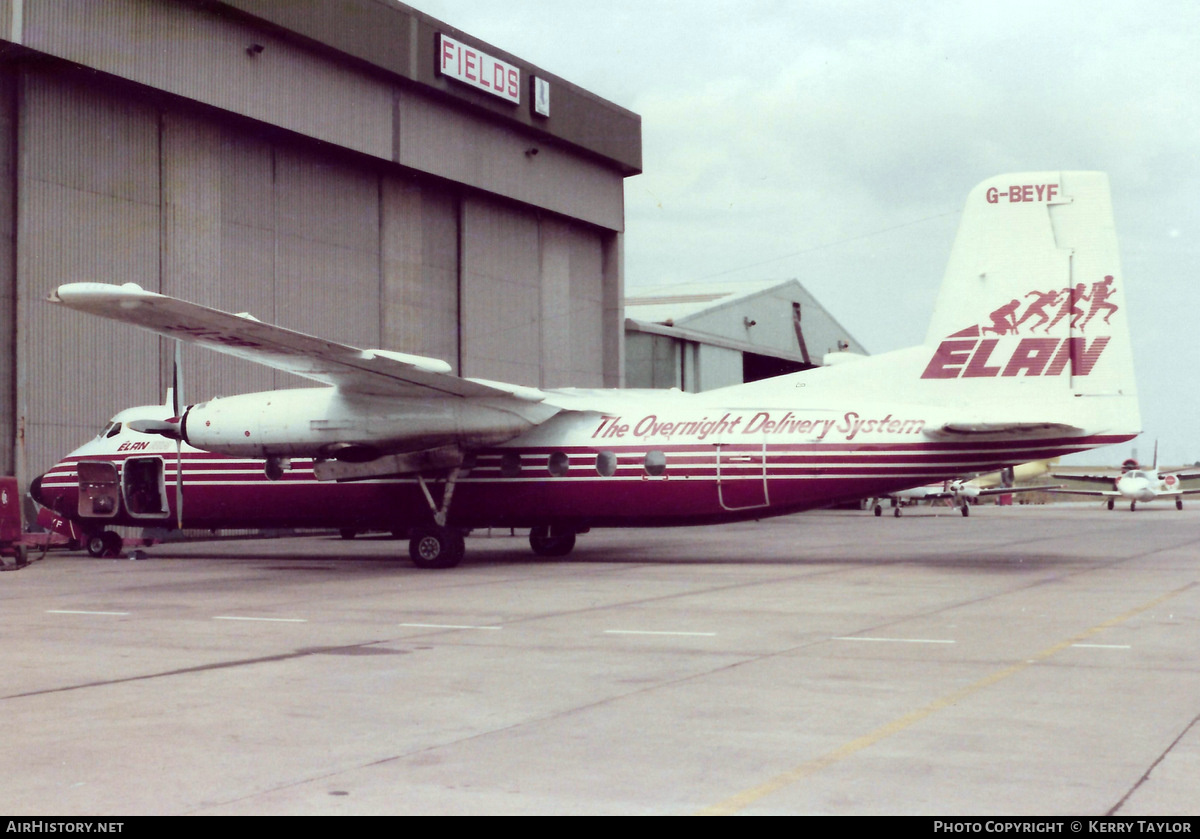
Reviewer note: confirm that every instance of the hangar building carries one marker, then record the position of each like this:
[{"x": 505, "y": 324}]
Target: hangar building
[
  {"x": 701, "y": 336},
  {"x": 353, "y": 169}
]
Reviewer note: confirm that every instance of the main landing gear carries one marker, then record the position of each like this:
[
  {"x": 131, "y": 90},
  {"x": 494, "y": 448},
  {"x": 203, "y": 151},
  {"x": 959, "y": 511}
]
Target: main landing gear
[
  {"x": 552, "y": 540},
  {"x": 437, "y": 546},
  {"x": 878, "y": 507}
]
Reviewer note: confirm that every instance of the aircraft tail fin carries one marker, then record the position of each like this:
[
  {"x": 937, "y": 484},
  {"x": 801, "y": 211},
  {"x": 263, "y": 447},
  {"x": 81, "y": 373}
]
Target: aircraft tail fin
[
  {"x": 1033, "y": 291},
  {"x": 1029, "y": 332}
]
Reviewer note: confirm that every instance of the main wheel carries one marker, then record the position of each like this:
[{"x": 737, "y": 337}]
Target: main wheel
[
  {"x": 1178, "y": 503},
  {"x": 552, "y": 541},
  {"x": 878, "y": 510},
  {"x": 966, "y": 511},
  {"x": 1110, "y": 503},
  {"x": 1132, "y": 506},
  {"x": 436, "y": 547}
]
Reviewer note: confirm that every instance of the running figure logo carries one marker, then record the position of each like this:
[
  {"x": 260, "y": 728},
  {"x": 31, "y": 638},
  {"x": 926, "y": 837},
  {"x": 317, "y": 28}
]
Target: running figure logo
[
  {"x": 983, "y": 351},
  {"x": 1069, "y": 302}
]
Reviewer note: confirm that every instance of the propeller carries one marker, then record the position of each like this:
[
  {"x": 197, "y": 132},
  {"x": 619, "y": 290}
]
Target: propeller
[{"x": 176, "y": 413}]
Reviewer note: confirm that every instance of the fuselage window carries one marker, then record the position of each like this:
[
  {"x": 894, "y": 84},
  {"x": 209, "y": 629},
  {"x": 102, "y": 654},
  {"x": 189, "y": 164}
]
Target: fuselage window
[
  {"x": 656, "y": 462},
  {"x": 606, "y": 464},
  {"x": 559, "y": 463},
  {"x": 510, "y": 464}
]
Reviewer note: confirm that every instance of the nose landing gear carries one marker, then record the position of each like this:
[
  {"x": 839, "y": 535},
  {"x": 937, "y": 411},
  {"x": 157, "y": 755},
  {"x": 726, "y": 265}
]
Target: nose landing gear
[{"x": 107, "y": 543}]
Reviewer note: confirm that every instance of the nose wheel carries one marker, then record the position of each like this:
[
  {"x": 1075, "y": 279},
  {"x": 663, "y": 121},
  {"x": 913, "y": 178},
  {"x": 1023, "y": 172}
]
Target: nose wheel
[{"x": 107, "y": 543}]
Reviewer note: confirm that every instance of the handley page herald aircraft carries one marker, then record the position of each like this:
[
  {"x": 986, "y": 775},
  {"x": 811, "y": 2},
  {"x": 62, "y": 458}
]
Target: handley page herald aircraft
[
  {"x": 1135, "y": 484},
  {"x": 396, "y": 441}
]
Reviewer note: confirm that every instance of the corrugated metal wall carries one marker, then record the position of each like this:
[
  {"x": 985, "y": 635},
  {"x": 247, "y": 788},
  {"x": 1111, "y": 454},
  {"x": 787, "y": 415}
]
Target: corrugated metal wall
[
  {"x": 199, "y": 54},
  {"x": 532, "y": 298},
  {"x": 8, "y": 279},
  {"x": 113, "y": 189},
  {"x": 500, "y": 294},
  {"x": 186, "y": 50},
  {"x": 419, "y": 267},
  {"x": 88, "y": 209},
  {"x": 572, "y": 306}
]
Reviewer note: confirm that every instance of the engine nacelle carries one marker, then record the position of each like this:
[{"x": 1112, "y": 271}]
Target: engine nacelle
[{"x": 328, "y": 423}]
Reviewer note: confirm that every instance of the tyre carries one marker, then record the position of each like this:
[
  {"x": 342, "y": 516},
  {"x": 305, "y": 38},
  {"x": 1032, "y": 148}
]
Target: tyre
[
  {"x": 552, "y": 541},
  {"x": 436, "y": 547}
]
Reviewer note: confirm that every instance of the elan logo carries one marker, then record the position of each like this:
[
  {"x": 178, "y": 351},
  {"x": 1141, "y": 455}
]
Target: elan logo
[
  {"x": 960, "y": 357},
  {"x": 970, "y": 354}
]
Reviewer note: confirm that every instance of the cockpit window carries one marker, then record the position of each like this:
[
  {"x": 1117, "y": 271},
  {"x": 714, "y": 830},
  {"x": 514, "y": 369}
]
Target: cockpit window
[{"x": 113, "y": 429}]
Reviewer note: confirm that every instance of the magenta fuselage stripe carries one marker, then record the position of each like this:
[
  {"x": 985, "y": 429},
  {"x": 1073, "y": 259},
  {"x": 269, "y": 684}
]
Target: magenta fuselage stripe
[{"x": 226, "y": 492}]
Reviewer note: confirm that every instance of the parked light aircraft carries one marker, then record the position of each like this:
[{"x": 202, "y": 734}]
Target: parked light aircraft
[
  {"x": 960, "y": 492},
  {"x": 1135, "y": 484},
  {"x": 395, "y": 441},
  {"x": 963, "y": 492}
]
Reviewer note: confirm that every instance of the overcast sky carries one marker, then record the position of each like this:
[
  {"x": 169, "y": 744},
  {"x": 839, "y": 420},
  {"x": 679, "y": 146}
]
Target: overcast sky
[{"x": 835, "y": 142}]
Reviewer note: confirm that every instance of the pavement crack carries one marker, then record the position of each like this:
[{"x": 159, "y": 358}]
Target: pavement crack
[{"x": 1150, "y": 770}]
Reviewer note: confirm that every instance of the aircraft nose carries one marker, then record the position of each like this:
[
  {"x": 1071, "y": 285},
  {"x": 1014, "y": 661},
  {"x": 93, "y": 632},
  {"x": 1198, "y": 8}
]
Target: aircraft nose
[{"x": 35, "y": 490}]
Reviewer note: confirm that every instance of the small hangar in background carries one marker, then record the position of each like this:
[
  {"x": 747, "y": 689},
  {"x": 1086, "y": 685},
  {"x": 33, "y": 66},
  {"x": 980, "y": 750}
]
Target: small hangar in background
[{"x": 701, "y": 336}]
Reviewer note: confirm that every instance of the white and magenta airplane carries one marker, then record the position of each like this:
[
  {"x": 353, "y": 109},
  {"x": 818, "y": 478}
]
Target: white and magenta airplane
[
  {"x": 1134, "y": 484},
  {"x": 396, "y": 442}
]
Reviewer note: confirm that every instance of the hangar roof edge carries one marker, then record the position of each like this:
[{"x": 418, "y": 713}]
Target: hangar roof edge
[{"x": 400, "y": 40}]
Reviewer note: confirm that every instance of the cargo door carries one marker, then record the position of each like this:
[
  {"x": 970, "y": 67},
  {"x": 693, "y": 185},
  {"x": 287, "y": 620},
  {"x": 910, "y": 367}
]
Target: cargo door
[
  {"x": 99, "y": 489},
  {"x": 144, "y": 488}
]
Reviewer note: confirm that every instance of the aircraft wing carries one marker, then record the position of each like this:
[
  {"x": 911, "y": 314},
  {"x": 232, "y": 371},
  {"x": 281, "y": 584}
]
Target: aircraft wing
[
  {"x": 1011, "y": 490},
  {"x": 1091, "y": 479},
  {"x": 365, "y": 371},
  {"x": 938, "y": 494},
  {"x": 1101, "y": 493}
]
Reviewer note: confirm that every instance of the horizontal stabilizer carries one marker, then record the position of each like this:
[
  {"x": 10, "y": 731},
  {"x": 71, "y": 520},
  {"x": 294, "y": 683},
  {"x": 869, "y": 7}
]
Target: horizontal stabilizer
[{"x": 1032, "y": 429}]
